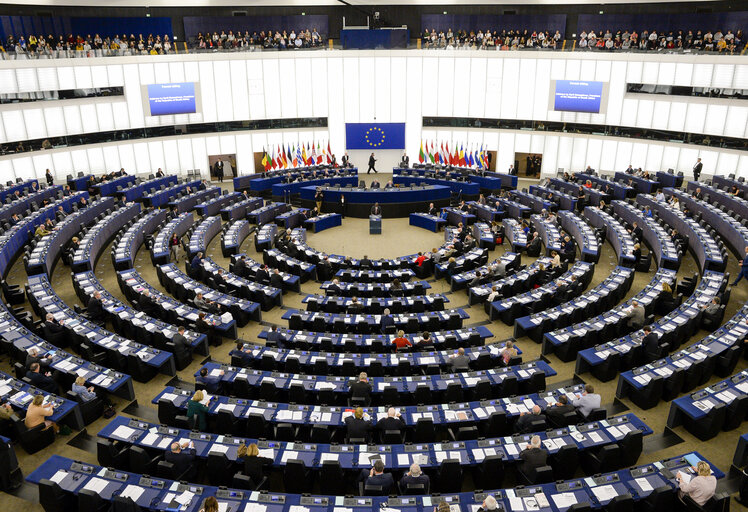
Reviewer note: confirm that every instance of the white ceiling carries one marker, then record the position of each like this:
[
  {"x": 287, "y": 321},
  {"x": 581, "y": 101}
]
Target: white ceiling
[{"x": 309, "y": 3}]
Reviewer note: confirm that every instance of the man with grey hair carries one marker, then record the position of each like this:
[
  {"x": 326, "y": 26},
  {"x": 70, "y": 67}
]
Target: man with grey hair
[
  {"x": 361, "y": 389},
  {"x": 182, "y": 457},
  {"x": 533, "y": 456},
  {"x": 386, "y": 320},
  {"x": 459, "y": 361},
  {"x": 393, "y": 421},
  {"x": 524, "y": 422},
  {"x": 412, "y": 478}
]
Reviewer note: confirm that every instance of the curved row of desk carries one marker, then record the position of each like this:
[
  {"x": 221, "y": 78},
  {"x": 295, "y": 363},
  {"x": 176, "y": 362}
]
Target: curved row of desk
[
  {"x": 395, "y": 202},
  {"x": 179, "y": 225},
  {"x": 510, "y": 260},
  {"x": 18, "y": 206},
  {"x": 364, "y": 324},
  {"x": 582, "y": 234},
  {"x": 291, "y": 281},
  {"x": 680, "y": 372},
  {"x": 216, "y": 205},
  {"x": 419, "y": 389},
  {"x": 99, "y": 235},
  {"x": 665, "y": 253},
  {"x": 523, "y": 280},
  {"x": 549, "y": 233},
  {"x": 565, "y": 201},
  {"x": 263, "y": 183},
  {"x": 138, "y": 190},
  {"x": 617, "y": 235},
  {"x": 606, "y": 360},
  {"x": 234, "y": 236},
  {"x": 127, "y": 243}
]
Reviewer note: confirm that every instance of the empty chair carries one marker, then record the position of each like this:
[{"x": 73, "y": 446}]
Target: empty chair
[
  {"x": 296, "y": 477},
  {"x": 53, "y": 499},
  {"x": 332, "y": 479},
  {"x": 449, "y": 476}
]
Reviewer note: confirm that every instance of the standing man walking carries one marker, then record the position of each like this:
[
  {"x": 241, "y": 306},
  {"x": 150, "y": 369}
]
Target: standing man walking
[
  {"x": 372, "y": 160},
  {"x": 697, "y": 169}
]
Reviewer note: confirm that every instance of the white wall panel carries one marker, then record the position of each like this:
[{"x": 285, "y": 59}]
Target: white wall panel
[
  {"x": 213, "y": 145},
  {"x": 382, "y": 86},
  {"x": 222, "y": 82},
  {"x": 736, "y": 121},
  {"x": 88, "y": 114},
  {"x": 336, "y": 117},
  {"x": 740, "y": 80},
  {"x": 44, "y": 161},
  {"x": 623, "y": 155},
  {"x": 80, "y": 161},
  {"x": 208, "y": 92},
  {"x": 683, "y": 72},
  {"x": 677, "y": 117},
  {"x": 460, "y": 90},
  {"x": 573, "y": 69},
  {"x": 639, "y": 154},
  {"x": 594, "y": 153},
  {"x": 695, "y": 117},
  {"x": 272, "y": 84},
  {"x": 172, "y": 158},
  {"x": 66, "y": 77},
  {"x": 245, "y": 160},
  {"x": 550, "y": 155},
  {"x": 27, "y": 80},
  {"x": 351, "y": 90},
  {"x": 186, "y": 158},
  {"x": 525, "y": 98},
  {"x": 669, "y": 158},
  {"x": 47, "y": 79},
  {"x": 99, "y": 76},
  {"x": 666, "y": 74},
  {"x": 654, "y": 157},
  {"x": 522, "y": 142},
  {"x": 121, "y": 115},
  {"x": 445, "y": 82},
  {"x": 644, "y": 113},
  {"x": 176, "y": 71},
  {"x": 366, "y": 90},
  {"x": 156, "y": 155},
  {"x": 742, "y": 166},
  {"x": 616, "y": 91},
  {"x": 133, "y": 95},
  {"x": 127, "y": 157},
  {"x": 477, "y": 85},
  {"x": 115, "y": 74},
  {"x": 628, "y": 114},
  {"x": 723, "y": 75},
  {"x": 715, "y": 119},
  {"x": 564, "y": 155},
  {"x": 608, "y": 155},
  {"x": 161, "y": 73},
  {"x": 579, "y": 154},
  {"x": 228, "y": 144},
  {"x": 35, "y": 127},
  {"x": 413, "y": 102},
  {"x": 23, "y": 167},
  {"x": 634, "y": 72},
  {"x": 111, "y": 157},
  {"x": 256, "y": 88},
  {"x": 505, "y": 154},
  {"x": 15, "y": 128},
  {"x": 660, "y": 115},
  {"x": 397, "y": 92},
  {"x": 96, "y": 159},
  {"x": 542, "y": 84},
  {"x": 510, "y": 81},
  {"x": 304, "y": 85},
  {"x": 727, "y": 163},
  {"x": 8, "y": 83},
  {"x": 709, "y": 159},
  {"x": 54, "y": 120},
  {"x": 702, "y": 75},
  {"x": 105, "y": 116},
  {"x": 239, "y": 93},
  {"x": 6, "y": 170},
  {"x": 288, "y": 86},
  {"x": 650, "y": 72},
  {"x": 142, "y": 157},
  {"x": 63, "y": 164},
  {"x": 494, "y": 71},
  {"x": 687, "y": 159}
]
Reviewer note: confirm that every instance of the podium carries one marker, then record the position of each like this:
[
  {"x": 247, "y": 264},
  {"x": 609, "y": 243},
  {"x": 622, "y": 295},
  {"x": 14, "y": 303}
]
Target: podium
[{"x": 375, "y": 224}]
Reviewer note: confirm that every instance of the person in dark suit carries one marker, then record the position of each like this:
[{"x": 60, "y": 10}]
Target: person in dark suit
[
  {"x": 34, "y": 357},
  {"x": 697, "y": 169},
  {"x": 212, "y": 383},
  {"x": 636, "y": 232},
  {"x": 240, "y": 267},
  {"x": 95, "y": 309},
  {"x": 276, "y": 337},
  {"x": 182, "y": 347},
  {"x": 276, "y": 279},
  {"x": 52, "y": 328},
  {"x": 262, "y": 275},
  {"x": 219, "y": 170},
  {"x": 433, "y": 210},
  {"x": 555, "y": 413},
  {"x": 334, "y": 288},
  {"x": 42, "y": 381},
  {"x": 569, "y": 251},
  {"x": 375, "y": 185},
  {"x": 364, "y": 262},
  {"x": 372, "y": 161},
  {"x": 182, "y": 457},
  {"x": 201, "y": 325},
  {"x": 49, "y": 177},
  {"x": 376, "y": 209},
  {"x": 534, "y": 246},
  {"x": 377, "y": 476},
  {"x": 196, "y": 263},
  {"x": 148, "y": 304},
  {"x": 355, "y": 307},
  {"x": 393, "y": 421},
  {"x": 650, "y": 345},
  {"x": 414, "y": 477},
  {"x": 358, "y": 425},
  {"x": 405, "y": 161},
  {"x": 533, "y": 456},
  {"x": 160, "y": 173},
  {"x": 345, "y": 160},
  {"x": 524, "y": 422},
  {"x": 243, "y": 355},
  {"x": 361, "y": 388},
  {"x": 386, "y": 320},
  {"x": 342, "y": 205}
]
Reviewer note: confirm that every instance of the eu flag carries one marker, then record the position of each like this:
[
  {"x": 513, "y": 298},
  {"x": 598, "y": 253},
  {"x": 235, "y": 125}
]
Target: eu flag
[{"x": 375, "y": 135}]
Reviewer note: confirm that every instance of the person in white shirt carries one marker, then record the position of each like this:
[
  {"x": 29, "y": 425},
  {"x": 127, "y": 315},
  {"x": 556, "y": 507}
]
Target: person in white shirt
[
  {"x": 699, "y": 488},
  {"x": 587, "y": 401},
  {"x": 660, "y": 196}
]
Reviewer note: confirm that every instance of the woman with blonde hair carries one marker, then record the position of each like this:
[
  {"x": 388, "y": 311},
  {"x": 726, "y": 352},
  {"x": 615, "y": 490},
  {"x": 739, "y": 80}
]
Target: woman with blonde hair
[
  {"x": 197, "y": 410},
  {"x": 37, "y": 412},
  {"x": 555, "y": 259},
  {"x": 701, "y": 487},
  {"x": 508, "y": 352},
  {"x": 80, "y": 389},
  {"x": 401, "y": 342},
  {"x": 210, "y": 504},
  {"x": 254, "y": 465}
]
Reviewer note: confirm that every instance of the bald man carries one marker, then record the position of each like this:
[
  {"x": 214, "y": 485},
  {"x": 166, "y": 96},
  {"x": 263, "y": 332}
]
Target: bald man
[
  {"x": 181, "y": 456},
  {"x": 459, "y": 361}
]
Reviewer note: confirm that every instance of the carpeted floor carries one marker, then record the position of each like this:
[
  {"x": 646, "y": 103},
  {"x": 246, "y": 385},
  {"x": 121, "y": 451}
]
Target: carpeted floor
[{"x": 353, "y": 239}]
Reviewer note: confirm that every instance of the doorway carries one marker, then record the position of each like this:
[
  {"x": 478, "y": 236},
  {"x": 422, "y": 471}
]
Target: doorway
[
  {"x": 227, "y": 168},
  {"x": 528, "y": 164}
]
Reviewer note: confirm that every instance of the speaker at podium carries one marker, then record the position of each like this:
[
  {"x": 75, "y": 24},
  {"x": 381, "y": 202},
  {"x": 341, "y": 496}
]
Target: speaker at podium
[{"x": 375, "y": 224}]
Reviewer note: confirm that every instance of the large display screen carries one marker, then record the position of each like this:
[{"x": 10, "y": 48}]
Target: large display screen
[
  {"x": 167, "y": 99},
  {"x": 578, "y": 96}
]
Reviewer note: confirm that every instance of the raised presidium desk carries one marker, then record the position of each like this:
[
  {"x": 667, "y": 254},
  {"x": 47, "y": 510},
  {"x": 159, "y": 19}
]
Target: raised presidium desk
[
  {"x": 160, "y": 494},
  {"x": 324, "y": 221},
  {"x": 395, "y": 202}
]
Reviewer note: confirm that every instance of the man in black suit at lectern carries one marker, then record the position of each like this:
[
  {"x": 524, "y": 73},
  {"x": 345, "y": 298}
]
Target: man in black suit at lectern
[{"x": 376, "y": 209}]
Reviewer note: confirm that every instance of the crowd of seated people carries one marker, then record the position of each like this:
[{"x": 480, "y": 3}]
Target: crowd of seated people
[
  {"x": 280, "y": 40},
  {"x": 40, "y": 45},
  {"x": 670, "y": 40},
  {"x": 489, "y": 40}
]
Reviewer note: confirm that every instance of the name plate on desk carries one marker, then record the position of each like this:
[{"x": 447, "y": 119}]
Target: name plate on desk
[
  {"x": 320, "y": 501},
  {"x": 81, "y": 468},
  {"x": 151, "y": 482},
  {"x": 357, "y": 502},
  {"x": 271, "y": 498},
  {"x": 115, "y": 475},
  {"x": 229, "y": 494}
]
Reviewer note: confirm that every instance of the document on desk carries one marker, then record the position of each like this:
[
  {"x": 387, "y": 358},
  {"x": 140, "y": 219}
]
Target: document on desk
[
  {"x": 169, "y": 396},
  {"x": 289, "y": 454},
  {"x": 123, "y": 433},
  {"x": 564, "y": 499},
  {"x": 403, "y": 459},
  {"x": 255, "y": 507},
  {"x": 219, "y": 448},
  {"x": 531, "y": 503},
  {"x": 684, "y": 477},
  {"x": 150, "y": 439},
  {"x": 184, "y": 498},
  {"x": 329, "y": 456},
  {"x": 511, "y": 449},
  {"x": 516, "y": 504},
  {"x": 96, "y": 485},
  {"x": 59, "y": 476},
  {"x": 133, "y": 492},
  {"x": 643, "y": 484},
  {"x": 596, "y": 437},
  {"x": 605, "y": 492}
]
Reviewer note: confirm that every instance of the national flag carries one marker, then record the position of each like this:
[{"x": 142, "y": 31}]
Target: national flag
[
  {"x": 313, "y": 155},
  {"x": 469, "y": 158},
  {"x": 421, "y": 155},
  {"x": 320, "y": 153},
  {"x": 303, "y": 155},
  {"x": 280, "y": 158},
  {"x": 437, "y": 155},
  {"x": 298, "y": 161},
  {"x": 441, "y": 153},
  {"x": 430, "y": 151},
  {"x": 477, "y": 159},
  {"x": 456, "y": 156},
  {"x": 284, "y": 160},
  {"x": 329, "y": 153},
  {"x": 264, "y": 159},
  {"x": 447, "y": 156}
]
